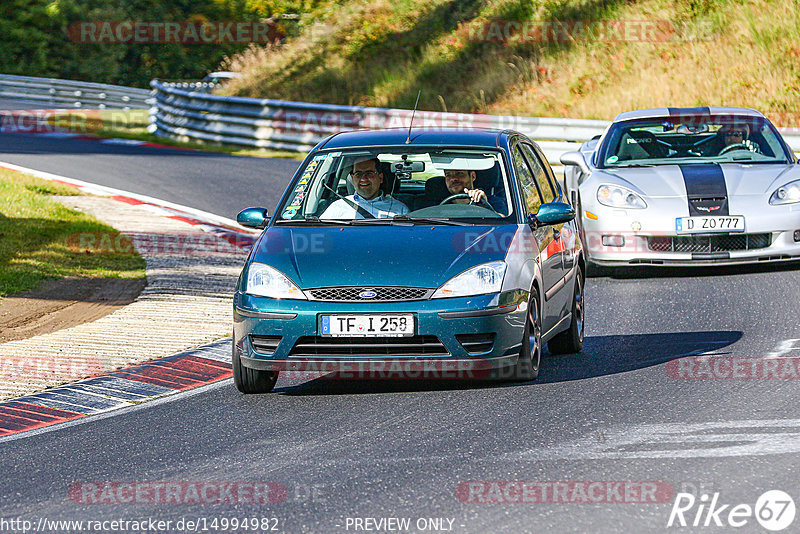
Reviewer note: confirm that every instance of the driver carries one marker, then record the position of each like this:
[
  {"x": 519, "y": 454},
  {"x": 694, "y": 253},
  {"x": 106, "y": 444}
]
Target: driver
[
  {"x": 462, "y": 181},
  {"x": 738, "y": 134},
  {"x": 367, "y": 180}
]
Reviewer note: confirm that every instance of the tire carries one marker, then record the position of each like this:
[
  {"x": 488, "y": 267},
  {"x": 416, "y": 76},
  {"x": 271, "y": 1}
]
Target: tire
[
  {"x": 530, "y": 354},
  {"x": 251, "y": 380},
  {"x": 571, "y": 340}
]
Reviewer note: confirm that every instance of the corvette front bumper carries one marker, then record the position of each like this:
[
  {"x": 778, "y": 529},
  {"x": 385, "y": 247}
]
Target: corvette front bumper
[{"x": 649, "y": 238}]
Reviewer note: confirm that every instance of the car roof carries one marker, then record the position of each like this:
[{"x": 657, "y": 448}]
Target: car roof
[
  {"x": 678, "y": 112},
  {"x": 477, "y": 137}
]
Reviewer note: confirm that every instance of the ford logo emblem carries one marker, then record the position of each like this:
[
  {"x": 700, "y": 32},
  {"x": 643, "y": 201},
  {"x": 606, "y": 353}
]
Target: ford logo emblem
[{"x": 368, "y": 294}]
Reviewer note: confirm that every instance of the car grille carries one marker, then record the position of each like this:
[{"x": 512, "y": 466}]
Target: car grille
[
  {"x": 709, "y": 244},
  {"x": 370, "y": 346},
  {"x": 265, "y": 344},
  {"x": 476, "y": 343},
  {"x": 382, "y": 294}
]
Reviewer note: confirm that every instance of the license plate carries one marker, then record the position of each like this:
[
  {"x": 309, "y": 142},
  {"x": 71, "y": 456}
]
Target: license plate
[
  {"x": 704, "y": 224},
  {"x": 367, "y": 325}
]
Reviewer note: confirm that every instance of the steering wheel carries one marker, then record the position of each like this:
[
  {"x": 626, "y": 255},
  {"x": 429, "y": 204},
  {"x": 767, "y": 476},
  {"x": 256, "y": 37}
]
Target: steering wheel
[
  {"x": 483, "y": 203},
  {"x": 731, "y": 148}
]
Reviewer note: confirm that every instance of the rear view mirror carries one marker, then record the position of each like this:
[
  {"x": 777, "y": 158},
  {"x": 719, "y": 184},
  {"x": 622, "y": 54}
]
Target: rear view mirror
[
  {"x": 253, "y": 218},
  {"x": 408, "y": 166}
]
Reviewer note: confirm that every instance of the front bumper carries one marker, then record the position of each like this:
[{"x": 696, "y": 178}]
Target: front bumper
[
  {"x": 643, "y": 229},
  {"x": 296, "y": 324}
]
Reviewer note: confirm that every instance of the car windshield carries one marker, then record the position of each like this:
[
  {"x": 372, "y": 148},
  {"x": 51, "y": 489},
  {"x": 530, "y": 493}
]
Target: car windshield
[
  {"x": 692, "y": 140},
  {"x": 383, "y": 185}
]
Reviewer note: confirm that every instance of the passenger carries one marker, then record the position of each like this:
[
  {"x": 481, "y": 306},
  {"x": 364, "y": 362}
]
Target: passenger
[{"x": 367, "y": 180}]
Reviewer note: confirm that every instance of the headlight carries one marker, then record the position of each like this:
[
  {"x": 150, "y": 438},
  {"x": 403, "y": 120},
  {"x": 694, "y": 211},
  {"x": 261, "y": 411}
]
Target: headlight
[
  {"x": 617, "y": 196},
  {"x": 787, "y": 194},
  {"x": 479, "y": 280},
  {"x": 266, "y": 281}
]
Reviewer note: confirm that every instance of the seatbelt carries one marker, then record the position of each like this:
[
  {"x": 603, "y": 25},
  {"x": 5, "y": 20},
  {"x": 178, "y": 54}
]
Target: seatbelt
[{"x": 359, "y": 209}]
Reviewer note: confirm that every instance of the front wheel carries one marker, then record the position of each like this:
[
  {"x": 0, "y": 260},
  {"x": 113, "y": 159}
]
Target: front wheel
[
  {"x": 571, "y": 340},
  {"x": 530, "y": 355},
  {"x": 251, "y": 380}
]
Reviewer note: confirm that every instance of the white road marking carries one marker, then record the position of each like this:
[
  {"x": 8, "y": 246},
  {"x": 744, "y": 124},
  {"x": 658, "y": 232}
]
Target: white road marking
[
  {"x": 757, "y": 437},
  {"x": 784, "y": 347}
]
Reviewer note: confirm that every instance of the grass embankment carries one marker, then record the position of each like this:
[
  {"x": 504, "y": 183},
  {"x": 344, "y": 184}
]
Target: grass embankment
[
  {"x": 707, "y": 52},
  {"x": 40, "y": 238}
]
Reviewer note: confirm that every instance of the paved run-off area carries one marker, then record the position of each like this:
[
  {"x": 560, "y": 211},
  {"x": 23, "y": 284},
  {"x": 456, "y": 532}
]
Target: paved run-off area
[{"x": 187, "y": 302}]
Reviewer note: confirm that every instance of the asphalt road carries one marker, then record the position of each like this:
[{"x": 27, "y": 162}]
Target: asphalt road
[
  {"x": 347, "y": 450},
  {"x": 179, "y": 176}
]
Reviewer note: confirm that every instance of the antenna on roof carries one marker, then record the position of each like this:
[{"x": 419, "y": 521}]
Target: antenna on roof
[{"x": 408, "y": 139}]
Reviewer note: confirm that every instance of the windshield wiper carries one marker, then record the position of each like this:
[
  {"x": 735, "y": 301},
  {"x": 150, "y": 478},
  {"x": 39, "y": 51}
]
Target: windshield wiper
[
  {"x": 633, "y": 165},
  {"x": 405, "y": 220},
  {"x": 313, "y": 220}
]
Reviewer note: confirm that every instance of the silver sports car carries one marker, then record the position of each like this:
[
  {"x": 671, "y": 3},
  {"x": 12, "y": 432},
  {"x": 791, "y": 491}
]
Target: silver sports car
[{"x": 687, "y": 186}]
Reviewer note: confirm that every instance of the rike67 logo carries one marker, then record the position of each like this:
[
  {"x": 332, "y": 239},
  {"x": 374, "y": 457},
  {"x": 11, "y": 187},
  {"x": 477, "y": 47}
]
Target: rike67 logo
[{"x": 774, "y": 510}]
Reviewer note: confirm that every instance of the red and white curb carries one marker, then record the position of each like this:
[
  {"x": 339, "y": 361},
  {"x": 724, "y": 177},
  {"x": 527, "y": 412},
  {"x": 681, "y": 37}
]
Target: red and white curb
[
  {"x": 193, "y": 369},
  {"x": 123, "y": 388}
]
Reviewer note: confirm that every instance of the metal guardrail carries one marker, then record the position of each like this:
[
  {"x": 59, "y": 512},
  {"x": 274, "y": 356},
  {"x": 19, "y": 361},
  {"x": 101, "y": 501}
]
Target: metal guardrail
[
  {"x": 73, "y": 94},
  {"x": 298, "y": 126}
]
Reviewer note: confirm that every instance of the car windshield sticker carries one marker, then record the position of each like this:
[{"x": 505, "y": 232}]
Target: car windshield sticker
[{"x": 295, "y": 203}]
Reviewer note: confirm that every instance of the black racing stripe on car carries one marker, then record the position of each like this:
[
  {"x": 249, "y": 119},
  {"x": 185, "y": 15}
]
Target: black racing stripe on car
[
  {"x": 705, "y": 189},
  {"x": 691, "y": 112}
]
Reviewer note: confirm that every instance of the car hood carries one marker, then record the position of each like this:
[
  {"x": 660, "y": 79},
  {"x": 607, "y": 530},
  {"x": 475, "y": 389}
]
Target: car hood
[
  {"x": 416, "y": 256},
  {"x": 667, "y": 181}
]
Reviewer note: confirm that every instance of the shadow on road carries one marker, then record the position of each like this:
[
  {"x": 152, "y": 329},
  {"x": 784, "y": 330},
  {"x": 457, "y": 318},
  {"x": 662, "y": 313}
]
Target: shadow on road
[
  {"x": 649, "y": 271},
  {"x": 601, "y": 356}
]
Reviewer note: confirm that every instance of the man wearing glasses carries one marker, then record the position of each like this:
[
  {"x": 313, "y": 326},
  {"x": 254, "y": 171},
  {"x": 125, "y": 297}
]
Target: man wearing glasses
[
  {"x": 737, "y": 134},
  {"x": 369, "y": 198}
]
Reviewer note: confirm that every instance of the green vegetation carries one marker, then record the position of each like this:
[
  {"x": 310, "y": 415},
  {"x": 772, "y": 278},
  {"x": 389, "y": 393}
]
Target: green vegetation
[
  {"x": 40, "y": 238},
  {"x": 704, "y": 52},
  {"x": 41, "y": 37}
]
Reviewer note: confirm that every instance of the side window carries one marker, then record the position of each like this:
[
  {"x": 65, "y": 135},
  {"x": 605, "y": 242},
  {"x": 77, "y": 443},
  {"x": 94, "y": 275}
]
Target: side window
[
  {"x": 527, "y": 183},
  {"x": 545, "y": 185}
]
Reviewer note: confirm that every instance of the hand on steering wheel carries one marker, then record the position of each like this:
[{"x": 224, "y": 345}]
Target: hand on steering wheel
[
  {"x": 483, "y": 202},
  {"x": 731, "y": 148}
]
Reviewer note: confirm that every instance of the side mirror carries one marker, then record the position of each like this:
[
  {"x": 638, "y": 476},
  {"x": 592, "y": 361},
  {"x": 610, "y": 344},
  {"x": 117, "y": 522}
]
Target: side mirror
[
  {"x": 575, "y": 158},
  {"x": 253, "y": 218},
  {"x": 552, "y": 213}
]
